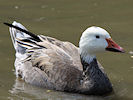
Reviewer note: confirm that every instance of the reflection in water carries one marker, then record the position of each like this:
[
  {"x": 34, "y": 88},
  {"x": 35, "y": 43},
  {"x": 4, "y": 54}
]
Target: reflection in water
[{"x": 23, "y": 90}]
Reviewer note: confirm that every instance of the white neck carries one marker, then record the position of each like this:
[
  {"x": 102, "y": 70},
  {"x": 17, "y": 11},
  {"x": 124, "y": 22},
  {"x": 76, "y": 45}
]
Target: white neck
[{"x": 87, "y": 57}]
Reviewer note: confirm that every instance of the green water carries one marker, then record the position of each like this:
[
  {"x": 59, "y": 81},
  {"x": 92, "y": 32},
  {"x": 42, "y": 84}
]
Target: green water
[{"x": 66, "y": 20}]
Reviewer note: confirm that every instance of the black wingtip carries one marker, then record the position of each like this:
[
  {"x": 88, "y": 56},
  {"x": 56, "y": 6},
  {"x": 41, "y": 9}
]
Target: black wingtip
[
  {"x": 10, "y": 25},
  {"x": 25, "y": 31}
]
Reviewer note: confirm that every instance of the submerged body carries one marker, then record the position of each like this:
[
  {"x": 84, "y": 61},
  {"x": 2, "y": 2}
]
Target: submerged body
[{"x": 47, "y": 62}]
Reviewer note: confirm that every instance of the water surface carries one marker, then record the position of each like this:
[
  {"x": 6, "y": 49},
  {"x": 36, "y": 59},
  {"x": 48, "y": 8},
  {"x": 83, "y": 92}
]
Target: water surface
[{"x": 66, "y": 20}]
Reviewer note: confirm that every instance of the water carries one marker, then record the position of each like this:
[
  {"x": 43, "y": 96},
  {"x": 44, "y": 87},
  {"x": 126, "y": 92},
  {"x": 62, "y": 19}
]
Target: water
[{"x": 66, "y": 20}]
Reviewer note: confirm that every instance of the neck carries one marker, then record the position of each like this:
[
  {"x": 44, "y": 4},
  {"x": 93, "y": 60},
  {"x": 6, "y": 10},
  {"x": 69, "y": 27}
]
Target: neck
[
  {"x": 88, "y": 58},
  {"x": 88, "y": 62},
  {"x": 94, "y": 77}
]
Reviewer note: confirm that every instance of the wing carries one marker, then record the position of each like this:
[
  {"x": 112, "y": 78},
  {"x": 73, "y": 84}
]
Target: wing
[
  {"x": 43, "y": 60},
  {"x": 58, "y": 63},
  {"x": 65, "y": 50}
]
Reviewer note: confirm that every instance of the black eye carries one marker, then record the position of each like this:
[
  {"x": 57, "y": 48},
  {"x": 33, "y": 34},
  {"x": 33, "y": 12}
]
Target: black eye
[{"x": 97, "y": 36}]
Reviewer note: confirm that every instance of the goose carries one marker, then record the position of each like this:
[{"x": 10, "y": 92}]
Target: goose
[{"x": 58, "y": 65}]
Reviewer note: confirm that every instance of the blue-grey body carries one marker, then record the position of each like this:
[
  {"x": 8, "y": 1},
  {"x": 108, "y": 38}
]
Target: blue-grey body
[{"x": 47, "y": 62}]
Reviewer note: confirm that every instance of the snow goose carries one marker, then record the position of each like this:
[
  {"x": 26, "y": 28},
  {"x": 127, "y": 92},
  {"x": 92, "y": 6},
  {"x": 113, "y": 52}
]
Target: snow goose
[{"x": 50, "y": 63}]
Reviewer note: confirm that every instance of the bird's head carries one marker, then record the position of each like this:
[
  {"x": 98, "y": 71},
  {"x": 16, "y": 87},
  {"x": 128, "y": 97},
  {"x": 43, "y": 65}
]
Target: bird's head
[{"x": 95, "y": 39}]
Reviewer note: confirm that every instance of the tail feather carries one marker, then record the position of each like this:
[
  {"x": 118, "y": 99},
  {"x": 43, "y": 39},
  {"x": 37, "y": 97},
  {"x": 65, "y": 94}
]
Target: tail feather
[
  {"x": 22, "y": 39},
  {"x": 21, "y": 28}
]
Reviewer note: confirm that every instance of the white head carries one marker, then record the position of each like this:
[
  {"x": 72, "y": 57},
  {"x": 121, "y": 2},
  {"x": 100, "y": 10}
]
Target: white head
[{"x": 94, "y": 40}]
